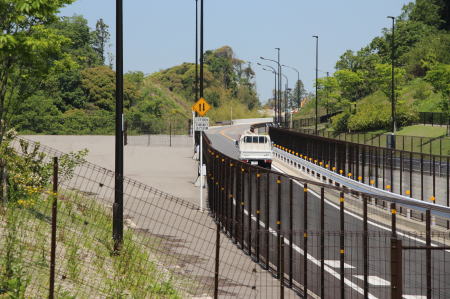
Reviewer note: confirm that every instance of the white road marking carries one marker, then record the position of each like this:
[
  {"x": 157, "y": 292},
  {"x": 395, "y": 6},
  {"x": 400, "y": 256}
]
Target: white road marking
[
  {"x": 374, "y": 280},
  {"x": 337, "y": 264},
  {"x": 360, "y": 218},
  {"x": 312, "y": 259},
  {"x": 414, "y": 297}
]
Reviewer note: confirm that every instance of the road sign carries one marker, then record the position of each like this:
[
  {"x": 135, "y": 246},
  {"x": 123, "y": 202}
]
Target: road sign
[
  {"x": 201, "y": 107},
  {"x": 201, "y": 123}
]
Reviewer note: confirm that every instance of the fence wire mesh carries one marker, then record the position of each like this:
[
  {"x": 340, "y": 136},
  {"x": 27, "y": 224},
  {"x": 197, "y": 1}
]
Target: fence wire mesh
[
  {"x": 335, "y": 242},
  {"x": 168, "y": 249}
]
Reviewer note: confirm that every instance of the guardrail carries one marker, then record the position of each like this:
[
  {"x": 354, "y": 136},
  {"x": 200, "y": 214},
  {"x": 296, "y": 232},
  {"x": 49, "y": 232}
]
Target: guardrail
[
  {"x": 420, "y": 176},
  {"x": 321, "y": 239},
  {"x": 426, "y": 145}
]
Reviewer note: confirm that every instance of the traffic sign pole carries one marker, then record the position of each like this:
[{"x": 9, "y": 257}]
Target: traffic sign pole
[
  {"x": 201, "y": 124},
  {"x": 201, "y": 171}
]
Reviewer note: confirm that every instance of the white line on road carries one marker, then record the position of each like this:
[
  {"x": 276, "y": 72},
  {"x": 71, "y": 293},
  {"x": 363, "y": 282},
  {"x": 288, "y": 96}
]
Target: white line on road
[
  {"x": 374, "y": 280},
  {"x": 337, "y": 264},
  {"x": 312, "y": 259},
  {"x": 360, "y": 218}
]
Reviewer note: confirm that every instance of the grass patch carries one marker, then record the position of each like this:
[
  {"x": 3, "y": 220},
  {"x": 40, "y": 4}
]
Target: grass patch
[
  {"x": 86, "y": 266},
  {"x": 423, "y": 131}
]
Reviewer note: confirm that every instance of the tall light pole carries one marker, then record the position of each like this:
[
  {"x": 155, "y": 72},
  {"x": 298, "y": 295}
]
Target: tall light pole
[
  {"x": 317, "y": 70},
  {"x": 196, "y": 50},
  {"x": 285, "y": 100},
  {"x": 201, "y": 48},
  {"x": 298, "y": 81},
  {"x": 275, "y": 90},
  {"x": 118, "y": 176},
  {"x": 279, "y": 84},
  {"x": 394, "y": 121},
  {"x": 328, "y": 95}
]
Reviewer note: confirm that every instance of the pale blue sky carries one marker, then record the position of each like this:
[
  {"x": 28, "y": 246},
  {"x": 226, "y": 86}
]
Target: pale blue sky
[{"x": 160, "y": 34}]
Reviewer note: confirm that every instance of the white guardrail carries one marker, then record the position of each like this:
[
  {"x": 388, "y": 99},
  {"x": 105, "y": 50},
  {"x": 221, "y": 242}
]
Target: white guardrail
[{"x": 332, "y": 177}]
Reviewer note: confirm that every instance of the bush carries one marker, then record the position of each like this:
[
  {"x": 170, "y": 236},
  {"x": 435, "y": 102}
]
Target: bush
[{"x": 340, "y": 122}]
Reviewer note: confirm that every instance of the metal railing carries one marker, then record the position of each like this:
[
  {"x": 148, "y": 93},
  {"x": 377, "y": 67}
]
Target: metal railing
[
  {"x": 326, "y": 240},
  {"x": 421, "y": 176},
  {"x": 426, "y": 145},
  {"x": 169, "y": 248}
]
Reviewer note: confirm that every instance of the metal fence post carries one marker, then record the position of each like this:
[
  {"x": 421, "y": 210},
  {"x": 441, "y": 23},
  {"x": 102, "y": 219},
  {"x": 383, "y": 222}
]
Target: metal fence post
[
  {"x": 365, "y": 248},
  {"x": 281, "y": 265},
  {"x": 258, "y": 213},
  {"x": 411, "y": 174},
  {"x": 322, "y": 242},
  {"x": 448, "y": 186},
  {"x": 396, "y": 269},
  {"x": 249, "y": 217},
  {"x": 305, "y": 239},
  {"x": 428, "y": 252},
  {"x": 278, "y": 222},
  {"x": 216, "y": 271},
  {"x": 267, "y": 219},
  {"x": 242, "y": 207},
  {"x": 393, "y": 220},
  {"x": 342, "y": 243},
  {"x": 53, "y": 237},
  {"x": 237, "y": 202},
  {"x": 291, "y": 228}
]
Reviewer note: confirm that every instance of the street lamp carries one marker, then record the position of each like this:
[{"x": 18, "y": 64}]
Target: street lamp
[
  {"x": 298, "y": 80},
  {"x": 201, "y": 48},
  {"x": 196, "y": 50},
  {"x": 394, "y": 124},
  {"x": 118, "y": 177},
  {"x": 275, "y": 90},
  {"x": 317, "y": 69},
  {"x": 285, "y": 99},
  {"x": 279, "y": 80}
]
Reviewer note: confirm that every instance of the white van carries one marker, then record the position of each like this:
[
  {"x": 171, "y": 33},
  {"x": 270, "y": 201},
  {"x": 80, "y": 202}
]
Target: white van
[{"x": 255, "y": 149}]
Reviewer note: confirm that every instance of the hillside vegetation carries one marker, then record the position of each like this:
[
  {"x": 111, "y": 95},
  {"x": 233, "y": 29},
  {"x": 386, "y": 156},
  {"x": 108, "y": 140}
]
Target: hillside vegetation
[
  {"x": 361, "y": 85},
  {"x": 57, "y": 77}
]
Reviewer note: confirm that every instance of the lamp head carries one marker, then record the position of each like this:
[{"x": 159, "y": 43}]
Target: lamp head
[{"x": 315, "y": 36}]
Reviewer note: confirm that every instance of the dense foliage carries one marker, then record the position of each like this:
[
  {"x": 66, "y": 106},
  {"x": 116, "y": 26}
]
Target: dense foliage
[
  {"x": 361, "y": 85},
  {"x": 54, "y": 78},
  {"x": 227, "y": 80}
]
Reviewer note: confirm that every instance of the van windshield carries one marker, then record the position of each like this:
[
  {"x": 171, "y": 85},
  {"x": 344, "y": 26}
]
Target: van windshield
[{"x": 255, "y": 139}]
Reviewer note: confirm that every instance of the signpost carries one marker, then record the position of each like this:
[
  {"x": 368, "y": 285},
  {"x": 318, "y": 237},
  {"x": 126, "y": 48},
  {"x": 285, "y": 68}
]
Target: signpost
[{"x": 201, "y": 124}]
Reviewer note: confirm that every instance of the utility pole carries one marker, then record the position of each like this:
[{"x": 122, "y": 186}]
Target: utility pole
[
  {"x": 279, "y": 86},
  {"x": 196, "y": 50},
  {"x": 317, "y": 70},
  {"x": 201, "y": 49},
  {"x": 118, "y": 186},
  {"x": 328, "y": 94}
]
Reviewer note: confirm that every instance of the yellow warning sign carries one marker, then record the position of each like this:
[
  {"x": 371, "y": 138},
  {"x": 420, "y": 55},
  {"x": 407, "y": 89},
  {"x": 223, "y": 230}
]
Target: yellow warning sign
[{"x": 201, "y": 107}]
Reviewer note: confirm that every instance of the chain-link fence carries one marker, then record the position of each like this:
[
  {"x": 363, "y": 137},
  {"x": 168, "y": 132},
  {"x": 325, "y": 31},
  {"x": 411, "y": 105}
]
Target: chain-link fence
[
  {"x": 325, "y": 240},
  {"x": 169, "y": 248}
]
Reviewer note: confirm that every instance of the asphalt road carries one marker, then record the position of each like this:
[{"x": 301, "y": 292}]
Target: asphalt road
[{"x": 414, "y": 282}]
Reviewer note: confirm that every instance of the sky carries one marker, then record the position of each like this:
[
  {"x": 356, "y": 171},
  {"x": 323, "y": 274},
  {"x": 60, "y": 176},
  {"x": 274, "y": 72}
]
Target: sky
[{"x": 161, "y": 34}]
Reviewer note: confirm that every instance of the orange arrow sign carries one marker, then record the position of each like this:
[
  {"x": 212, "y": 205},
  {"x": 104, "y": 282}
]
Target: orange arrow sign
[{"x": 201, "y": 107}]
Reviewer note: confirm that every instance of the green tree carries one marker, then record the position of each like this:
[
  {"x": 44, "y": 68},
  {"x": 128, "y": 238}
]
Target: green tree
[
  {"x": 384, "y": 78},
  {"x": 439, "y": 77},
  {"x": 26, "y": 46},
  {"x": 329, "y": 94},
  {"x": 297, "y": 93},
  {"x": 82, "y": 45},
  {"x": 100, "y": 38},
  {"x": 351, "y": 84}
]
